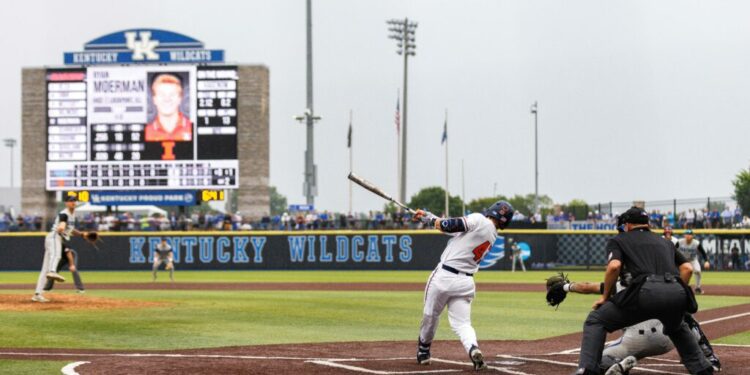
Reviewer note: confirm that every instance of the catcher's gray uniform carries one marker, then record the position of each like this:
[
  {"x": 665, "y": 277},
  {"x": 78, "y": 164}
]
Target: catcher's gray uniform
[{"x": 53, "y": 245}]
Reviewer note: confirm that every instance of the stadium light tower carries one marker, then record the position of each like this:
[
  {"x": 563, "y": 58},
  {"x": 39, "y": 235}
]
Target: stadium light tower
[
  {"x": 310, "y": 187},
  {"x": 10, "y": 142},
  {"x": 403, "y": 32},
  {"x": 535, "y": 112}
]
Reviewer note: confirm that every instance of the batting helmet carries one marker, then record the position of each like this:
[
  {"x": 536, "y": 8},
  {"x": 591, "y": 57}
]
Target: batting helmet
[{"x": 502, "y": 211}]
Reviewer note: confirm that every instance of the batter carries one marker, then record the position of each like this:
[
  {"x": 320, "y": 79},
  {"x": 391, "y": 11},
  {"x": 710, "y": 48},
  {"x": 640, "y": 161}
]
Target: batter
[{"x": 451, "y": 284}]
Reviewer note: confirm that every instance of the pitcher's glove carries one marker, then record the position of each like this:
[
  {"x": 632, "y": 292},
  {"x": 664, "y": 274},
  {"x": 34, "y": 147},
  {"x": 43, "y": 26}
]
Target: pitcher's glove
[
  {"x": 555, "y": 292},
  {"x": 91, "y": 237}
]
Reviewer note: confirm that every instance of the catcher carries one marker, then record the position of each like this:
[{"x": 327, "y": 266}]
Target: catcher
[
  {"x": 645, "y": 339},
  {"x": 163, "y": 254}
]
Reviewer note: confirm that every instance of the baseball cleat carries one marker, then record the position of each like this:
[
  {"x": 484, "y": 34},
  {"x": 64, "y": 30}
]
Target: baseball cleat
[
  {"x": 39, "y": 298},
  {"x": 423, "y": 358},
  {"x": 80, "y": 291},
  {"x": 623, "y": 367},
  {"x": 698, "y": 290},
  {"x": 477, "y": 358},
  {"x": 55, "y": 276}
]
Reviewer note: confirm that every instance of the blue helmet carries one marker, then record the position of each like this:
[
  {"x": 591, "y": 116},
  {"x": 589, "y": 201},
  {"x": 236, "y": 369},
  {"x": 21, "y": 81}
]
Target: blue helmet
[{"x": 502, "y": 211}]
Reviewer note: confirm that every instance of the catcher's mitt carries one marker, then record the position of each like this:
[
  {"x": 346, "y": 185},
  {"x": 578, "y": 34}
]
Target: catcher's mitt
[{"x": 555, "y": 292}]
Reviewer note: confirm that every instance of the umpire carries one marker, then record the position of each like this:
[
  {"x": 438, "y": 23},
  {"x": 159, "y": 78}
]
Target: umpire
[{"x": 658, "y": 290}]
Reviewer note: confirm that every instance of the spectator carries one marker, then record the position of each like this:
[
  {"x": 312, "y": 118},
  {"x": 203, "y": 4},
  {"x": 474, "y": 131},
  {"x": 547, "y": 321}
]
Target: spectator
[
  {"x": 726, "y": 218},
  {"x": 285, "y": 219}
]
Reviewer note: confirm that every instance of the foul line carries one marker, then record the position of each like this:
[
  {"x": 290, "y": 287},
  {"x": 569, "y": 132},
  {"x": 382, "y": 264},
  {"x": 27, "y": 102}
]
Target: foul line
[
  {"x": 732, "y": 345},
  {"x": 576, "y": 365},
  {"x": 368, "y": 371},
  {"x": 70, "y": 368},
  {"x": 725, "y": 318}
]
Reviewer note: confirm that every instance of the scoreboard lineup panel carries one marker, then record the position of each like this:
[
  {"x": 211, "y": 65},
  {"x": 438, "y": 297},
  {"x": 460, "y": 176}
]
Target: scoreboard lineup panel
[{"x": 148, "y": 127}]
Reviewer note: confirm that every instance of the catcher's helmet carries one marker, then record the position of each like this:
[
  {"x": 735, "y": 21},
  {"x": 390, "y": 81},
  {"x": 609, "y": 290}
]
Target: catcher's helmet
[{"x": 502, "y": 211}]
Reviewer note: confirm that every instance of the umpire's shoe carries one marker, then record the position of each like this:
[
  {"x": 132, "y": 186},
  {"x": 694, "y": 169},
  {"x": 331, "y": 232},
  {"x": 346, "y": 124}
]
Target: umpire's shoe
[
  {"x": 477, "y": 358},
  {"x": 423, "y": 353},
  {"x": 623, "y": 367},
  {"x": 55, "y": 276}
]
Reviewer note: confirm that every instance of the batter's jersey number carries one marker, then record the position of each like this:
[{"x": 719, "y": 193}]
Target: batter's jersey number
[{"x": 480, "y": 250}]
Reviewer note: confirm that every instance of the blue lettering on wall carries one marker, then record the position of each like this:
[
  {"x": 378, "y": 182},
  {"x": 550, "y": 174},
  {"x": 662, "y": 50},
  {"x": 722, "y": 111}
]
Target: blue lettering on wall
[
  {"x": 311, "y": 249},
  {"x": 389, "y": 241},
  {"x": 189, "y": 243},
  {"x": 342, "y": 249},
  {"x": 222, "y": 255},
  {"x": 404, "y": 245},
  {"x": 357, "y": 254},
  {"x": 258, "y": 243},
  {"x": 206, "y": 249},
  {"x": 296, "y": 248},
  {"x": 240, "y": 255},
  {"x": 325, "y": 256},
  {"x": 373, "y": 255},
  {"x": 153, "y": 242},
  {"x": 175, "y": 243},
  {"x": 136, "y": 250}
]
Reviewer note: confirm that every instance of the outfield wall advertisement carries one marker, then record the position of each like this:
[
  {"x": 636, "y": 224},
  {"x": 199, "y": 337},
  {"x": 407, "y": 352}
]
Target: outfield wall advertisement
[{"x": 380, "y": 250}]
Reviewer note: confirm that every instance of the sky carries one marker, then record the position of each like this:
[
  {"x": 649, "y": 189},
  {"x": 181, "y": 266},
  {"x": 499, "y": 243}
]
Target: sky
[{"x": 638, "y": 100}]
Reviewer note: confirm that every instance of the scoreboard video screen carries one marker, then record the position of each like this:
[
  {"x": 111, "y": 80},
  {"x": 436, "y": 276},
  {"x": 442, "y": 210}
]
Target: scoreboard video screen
[{"x": 142, "y": 127}]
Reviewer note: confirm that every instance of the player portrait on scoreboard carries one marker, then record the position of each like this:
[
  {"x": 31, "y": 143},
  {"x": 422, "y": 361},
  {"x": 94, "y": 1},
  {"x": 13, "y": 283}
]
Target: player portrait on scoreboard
[{"x": 170, "y": 105}]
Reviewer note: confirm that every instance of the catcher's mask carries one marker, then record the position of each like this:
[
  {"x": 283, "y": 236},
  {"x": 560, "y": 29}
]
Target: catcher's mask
[{"x": 502, "y": 211}]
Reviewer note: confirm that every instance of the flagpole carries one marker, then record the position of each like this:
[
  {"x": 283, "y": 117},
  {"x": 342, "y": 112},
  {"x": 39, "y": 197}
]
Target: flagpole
[
  {"x": 398, "y": 142},
  {"x": 445, "y": 134},
  {"x": 351, "y": 166},
  {"x": 463, "y": 190}
]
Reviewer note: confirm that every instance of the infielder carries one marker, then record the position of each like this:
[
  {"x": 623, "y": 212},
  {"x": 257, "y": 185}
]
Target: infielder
[
  {"x": 645, "y": 339},
  {"x": 691, "y": 248},
  {"x": 516, "y": 255},
  {"x": 59, "y": 237},
  {"x": 451, "y": 283},
  {"x": 163, "y": 254},
  {"x": 71, "y": 260}
]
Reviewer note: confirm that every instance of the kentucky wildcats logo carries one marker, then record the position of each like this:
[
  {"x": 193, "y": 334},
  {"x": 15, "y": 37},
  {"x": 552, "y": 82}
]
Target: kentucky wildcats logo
[
  {"x": 496, "y": 253},
  {"x": 143, "y": 48}
]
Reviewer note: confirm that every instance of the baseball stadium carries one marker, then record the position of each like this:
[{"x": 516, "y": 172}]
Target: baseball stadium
[{"x": 564, "y": 189}]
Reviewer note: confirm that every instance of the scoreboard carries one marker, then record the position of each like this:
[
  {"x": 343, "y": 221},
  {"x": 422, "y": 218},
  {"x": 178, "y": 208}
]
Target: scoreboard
[{"x": 142, "y": 127}]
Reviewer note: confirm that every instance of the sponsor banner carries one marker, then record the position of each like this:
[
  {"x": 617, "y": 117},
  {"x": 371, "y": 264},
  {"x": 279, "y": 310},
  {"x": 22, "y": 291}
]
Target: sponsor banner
[{"x": 137, "y": 198}]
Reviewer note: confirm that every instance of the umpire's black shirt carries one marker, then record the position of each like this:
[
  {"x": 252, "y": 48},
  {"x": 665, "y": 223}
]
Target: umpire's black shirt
[{"x": 644, "y": 253}]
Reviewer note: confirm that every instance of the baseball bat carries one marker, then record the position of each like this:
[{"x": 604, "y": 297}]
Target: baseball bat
[{"x": 377, "y": 191}]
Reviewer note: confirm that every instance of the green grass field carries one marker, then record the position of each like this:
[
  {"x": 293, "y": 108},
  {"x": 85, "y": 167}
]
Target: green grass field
[
  {"x": 199, "y": 319},
  {"x": 26, "y": 277}
]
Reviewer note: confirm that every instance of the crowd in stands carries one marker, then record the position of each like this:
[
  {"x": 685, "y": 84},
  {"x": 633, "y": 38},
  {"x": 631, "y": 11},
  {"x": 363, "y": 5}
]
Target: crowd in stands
[{"x": 312, "y": 220}]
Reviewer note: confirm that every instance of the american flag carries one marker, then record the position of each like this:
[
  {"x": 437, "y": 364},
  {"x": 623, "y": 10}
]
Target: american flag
[{"x": 398, "y": 117}]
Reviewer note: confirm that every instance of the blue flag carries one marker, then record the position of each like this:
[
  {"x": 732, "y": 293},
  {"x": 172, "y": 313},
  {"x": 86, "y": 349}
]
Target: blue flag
[{"x": 445, "y": 132}]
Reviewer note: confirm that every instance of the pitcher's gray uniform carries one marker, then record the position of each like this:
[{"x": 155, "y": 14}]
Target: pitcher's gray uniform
[
  {"x": 691, "y": 248},
  {"x": 53, "y": 245},
  {"x": 163, "y": 254},
  {"x": 451, "y": 284}
]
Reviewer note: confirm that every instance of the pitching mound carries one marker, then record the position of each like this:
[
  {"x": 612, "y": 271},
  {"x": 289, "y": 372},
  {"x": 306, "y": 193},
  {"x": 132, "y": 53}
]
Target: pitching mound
[{"x": 69, "y": 302}]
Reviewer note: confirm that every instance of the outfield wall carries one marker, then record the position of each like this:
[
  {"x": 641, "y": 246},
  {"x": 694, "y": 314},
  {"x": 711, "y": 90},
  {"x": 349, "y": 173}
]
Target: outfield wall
[{"x": 337, "y": 250}]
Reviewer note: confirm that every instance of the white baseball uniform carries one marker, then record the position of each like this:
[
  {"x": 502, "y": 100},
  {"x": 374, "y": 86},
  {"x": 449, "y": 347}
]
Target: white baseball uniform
[
  {"x": 692, "y": 251},
  {"x": 452, "y": 282},
  {"x": 53, "y": 245},
  {"x": 163, "y": 254}
]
